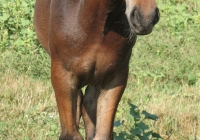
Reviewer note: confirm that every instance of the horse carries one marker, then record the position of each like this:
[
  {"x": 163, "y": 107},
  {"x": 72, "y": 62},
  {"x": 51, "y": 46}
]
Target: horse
[{"x": 90, "y": 43}]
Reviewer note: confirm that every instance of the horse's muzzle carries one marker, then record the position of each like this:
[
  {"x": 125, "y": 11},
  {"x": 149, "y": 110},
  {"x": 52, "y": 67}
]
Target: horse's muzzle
[{"x": 143, "y": 24}]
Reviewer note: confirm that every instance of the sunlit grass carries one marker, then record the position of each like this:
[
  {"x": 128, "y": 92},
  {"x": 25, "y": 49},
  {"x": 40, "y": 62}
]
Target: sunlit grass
[{"x": 28, "y": 108}]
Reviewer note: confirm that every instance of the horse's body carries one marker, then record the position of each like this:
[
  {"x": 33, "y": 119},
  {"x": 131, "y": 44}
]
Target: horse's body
[{"x": 90, "y": 43}]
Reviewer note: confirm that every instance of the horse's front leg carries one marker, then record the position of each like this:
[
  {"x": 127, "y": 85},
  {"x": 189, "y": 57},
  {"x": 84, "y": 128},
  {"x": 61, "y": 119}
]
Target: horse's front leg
[
  {"x": 68, "y": 101},
  {"x": 100, "y": 105},
  {"x": 107, "y": 104}
]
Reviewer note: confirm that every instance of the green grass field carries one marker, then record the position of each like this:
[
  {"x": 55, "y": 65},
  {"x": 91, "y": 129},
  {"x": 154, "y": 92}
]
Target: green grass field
[{"x": 164, "y": 77}]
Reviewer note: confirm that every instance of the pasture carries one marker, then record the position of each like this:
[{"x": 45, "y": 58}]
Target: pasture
[{"x": 164, "y": 75}]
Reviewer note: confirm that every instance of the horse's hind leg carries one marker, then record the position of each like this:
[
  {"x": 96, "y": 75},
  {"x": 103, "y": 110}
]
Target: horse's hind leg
[
  {"x": 79, "y": 106},
  {"x": 89, "y": 107},
  {"x": 66, "y": 97}
]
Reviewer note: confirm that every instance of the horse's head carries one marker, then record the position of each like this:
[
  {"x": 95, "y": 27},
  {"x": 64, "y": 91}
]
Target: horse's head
[{"x": 142, "y": 15}]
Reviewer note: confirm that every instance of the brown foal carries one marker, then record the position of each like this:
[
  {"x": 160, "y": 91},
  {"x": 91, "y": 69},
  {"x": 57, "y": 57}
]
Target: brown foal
[{"x": 90, "y": 44}]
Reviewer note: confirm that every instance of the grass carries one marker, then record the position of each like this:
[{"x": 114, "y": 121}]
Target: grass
[
  {"x": 164, "y": 79},
  {"x": 28, "y": 109}
]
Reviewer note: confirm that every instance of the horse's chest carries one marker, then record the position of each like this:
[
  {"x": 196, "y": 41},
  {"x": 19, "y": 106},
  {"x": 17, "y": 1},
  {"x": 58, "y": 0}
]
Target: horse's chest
[
  {"x": 95, "y": 59},
  {"x": 98, "y": 65}
]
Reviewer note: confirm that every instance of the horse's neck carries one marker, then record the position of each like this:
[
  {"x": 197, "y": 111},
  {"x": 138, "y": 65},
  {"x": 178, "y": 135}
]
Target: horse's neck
[
  {"x": 97, "y": 12},
  {"x": 102, "y": 5}
]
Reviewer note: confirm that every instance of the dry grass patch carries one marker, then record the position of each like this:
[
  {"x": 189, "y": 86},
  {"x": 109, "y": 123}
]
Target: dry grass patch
[
  {"x": 26, "y": 106},
  {"x": 179, "y": 115}
]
